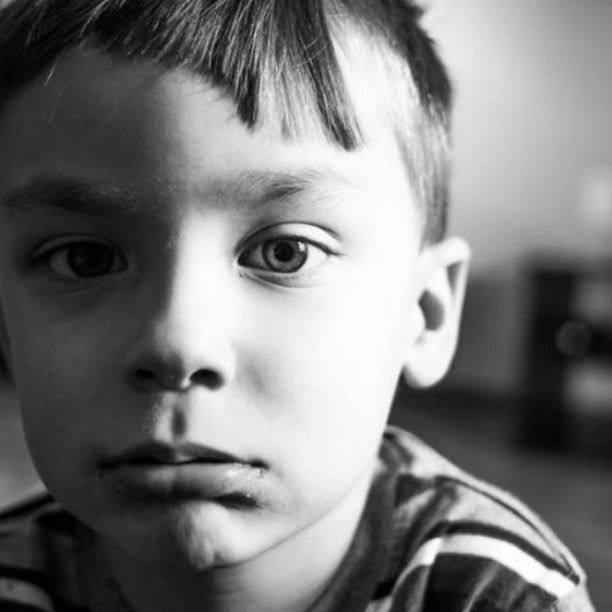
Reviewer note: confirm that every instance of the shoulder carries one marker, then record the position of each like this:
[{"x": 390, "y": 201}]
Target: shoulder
[
  {"x": 37, "y": 556},
  {"x": 461, "y": 544}
]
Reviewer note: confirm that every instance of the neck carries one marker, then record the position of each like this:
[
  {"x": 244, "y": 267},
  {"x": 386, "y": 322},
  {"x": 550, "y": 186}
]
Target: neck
[{"x": 289, "y": 577}]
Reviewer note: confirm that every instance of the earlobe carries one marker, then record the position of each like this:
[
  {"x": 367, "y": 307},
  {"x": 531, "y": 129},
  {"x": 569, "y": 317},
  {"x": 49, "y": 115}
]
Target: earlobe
[{"x": 442, "y": 274}]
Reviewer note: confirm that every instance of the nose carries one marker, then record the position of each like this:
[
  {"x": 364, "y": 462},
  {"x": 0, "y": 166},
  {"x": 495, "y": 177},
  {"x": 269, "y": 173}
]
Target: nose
[
  {"x": 171, "y": 372},
  {"x": 181, "y": 339}
]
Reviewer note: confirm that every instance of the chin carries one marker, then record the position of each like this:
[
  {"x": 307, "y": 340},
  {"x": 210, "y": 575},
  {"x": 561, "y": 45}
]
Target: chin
[{"x": 190, "y": 540}]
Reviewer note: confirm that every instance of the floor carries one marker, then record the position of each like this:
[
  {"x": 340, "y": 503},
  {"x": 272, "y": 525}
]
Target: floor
[{"x": 573, "y": 493}]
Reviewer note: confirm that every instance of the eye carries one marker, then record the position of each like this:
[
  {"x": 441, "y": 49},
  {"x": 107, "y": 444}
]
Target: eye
[
  {"x": 284, "y": 255},
  {"x": 82, "y": 259}
]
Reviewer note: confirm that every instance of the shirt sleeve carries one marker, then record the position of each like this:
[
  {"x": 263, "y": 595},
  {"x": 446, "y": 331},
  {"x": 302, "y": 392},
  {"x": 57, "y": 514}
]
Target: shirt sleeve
[{"x": 577, "y": 601}]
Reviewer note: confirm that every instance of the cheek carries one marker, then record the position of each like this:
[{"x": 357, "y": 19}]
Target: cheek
[
  {"x": 48, "y": 386},
  {"x": 57, "y": 388},
  {"x": 67, "y": 412},
  {"x": 351, "y": 341},
  {"x": 328, "y": 375}
]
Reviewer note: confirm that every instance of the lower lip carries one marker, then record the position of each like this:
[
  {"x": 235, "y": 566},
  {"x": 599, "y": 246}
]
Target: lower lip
[{"x": 234, "y": 483}]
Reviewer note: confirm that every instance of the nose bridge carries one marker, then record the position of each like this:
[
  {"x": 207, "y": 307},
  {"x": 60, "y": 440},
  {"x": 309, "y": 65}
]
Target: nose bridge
[
  {"x": 182, "y": 336},
  {"x": 192, "y": 291}
]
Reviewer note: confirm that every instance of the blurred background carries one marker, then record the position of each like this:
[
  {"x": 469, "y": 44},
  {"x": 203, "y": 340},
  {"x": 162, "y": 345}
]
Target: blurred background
[
  {"x": 533, "y": 163},
  {"x": 528, "y": 402}
]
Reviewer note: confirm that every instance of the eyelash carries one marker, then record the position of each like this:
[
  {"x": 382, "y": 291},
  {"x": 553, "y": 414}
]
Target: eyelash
[
  {"x": 264, "y": 258},
  {"x": 260, "y": 257},
  {"x": 112, "y": 260}
]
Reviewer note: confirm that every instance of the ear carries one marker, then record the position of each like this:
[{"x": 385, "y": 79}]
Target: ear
[{"x": 442, "y": 274}]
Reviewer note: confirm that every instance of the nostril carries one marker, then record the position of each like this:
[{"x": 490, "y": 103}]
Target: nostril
[
  {"x": 207, "y": 378},
  {"x": 158, "y": 379},
  {"x": 147, "y": 378},
  {"x": 144, "y": 375}
]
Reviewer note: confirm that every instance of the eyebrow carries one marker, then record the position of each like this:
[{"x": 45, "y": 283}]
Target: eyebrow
[
  {"x": 60, "y": 194},
  {"x": 50, "y": 194}
]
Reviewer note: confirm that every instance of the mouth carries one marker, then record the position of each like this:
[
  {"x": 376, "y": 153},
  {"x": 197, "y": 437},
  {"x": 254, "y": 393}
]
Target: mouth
[
  {"x": 160, "y": 453},
  {"x": 159, "y": 472}
]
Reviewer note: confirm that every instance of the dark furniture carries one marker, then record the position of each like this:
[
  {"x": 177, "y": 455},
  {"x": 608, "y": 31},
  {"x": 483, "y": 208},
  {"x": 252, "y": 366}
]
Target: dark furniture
[{"x": 569, "y": 321}]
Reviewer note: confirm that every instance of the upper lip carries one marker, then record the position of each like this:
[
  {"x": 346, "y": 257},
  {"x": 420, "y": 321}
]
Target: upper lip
[{"x": 171, "y": 454}]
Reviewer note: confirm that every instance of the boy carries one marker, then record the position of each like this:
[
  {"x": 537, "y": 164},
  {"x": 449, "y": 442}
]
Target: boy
[{"x": 222, "y": 241}]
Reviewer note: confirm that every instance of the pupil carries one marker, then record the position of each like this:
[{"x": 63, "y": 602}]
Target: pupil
[
  {"x": 284, "y": 252},
  {"x": 90, "y": 260}
]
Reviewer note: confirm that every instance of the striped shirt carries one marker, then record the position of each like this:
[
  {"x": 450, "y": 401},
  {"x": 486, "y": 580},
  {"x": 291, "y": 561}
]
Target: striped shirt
[{"x": 431, "y": 539}]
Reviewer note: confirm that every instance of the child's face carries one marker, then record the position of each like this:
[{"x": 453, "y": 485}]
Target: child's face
[{"x": 169, "y": 278}]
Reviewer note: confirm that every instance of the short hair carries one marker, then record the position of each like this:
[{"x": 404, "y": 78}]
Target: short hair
[{"x": 261, "y": 50}]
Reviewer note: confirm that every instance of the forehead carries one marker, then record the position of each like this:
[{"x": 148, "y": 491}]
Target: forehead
[{"x": 92, "y": 118}]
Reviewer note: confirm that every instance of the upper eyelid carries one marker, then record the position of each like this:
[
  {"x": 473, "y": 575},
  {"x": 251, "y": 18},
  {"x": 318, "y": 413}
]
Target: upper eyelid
[
  {"x": 297, "y": 238},
  {"x": 44, "y": 250},
  {"x": 67, "y": 240},
  {"x": 286, "y": 230}
]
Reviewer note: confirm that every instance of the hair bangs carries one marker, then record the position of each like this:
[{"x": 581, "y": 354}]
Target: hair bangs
[
  {"x": 262, "y": 53},
  {"x": 278, "y": 60}
]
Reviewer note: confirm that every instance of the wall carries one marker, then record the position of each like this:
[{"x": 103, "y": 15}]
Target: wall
[{"x": 533, "y": 134}]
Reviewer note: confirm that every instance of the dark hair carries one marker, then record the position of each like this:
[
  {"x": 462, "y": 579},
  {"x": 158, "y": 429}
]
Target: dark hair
[{"x": 254, "y": 49}]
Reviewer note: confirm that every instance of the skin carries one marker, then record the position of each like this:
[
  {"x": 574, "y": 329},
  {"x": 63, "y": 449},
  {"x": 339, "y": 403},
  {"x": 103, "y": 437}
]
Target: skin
[{"x": 185, "y": 332}]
